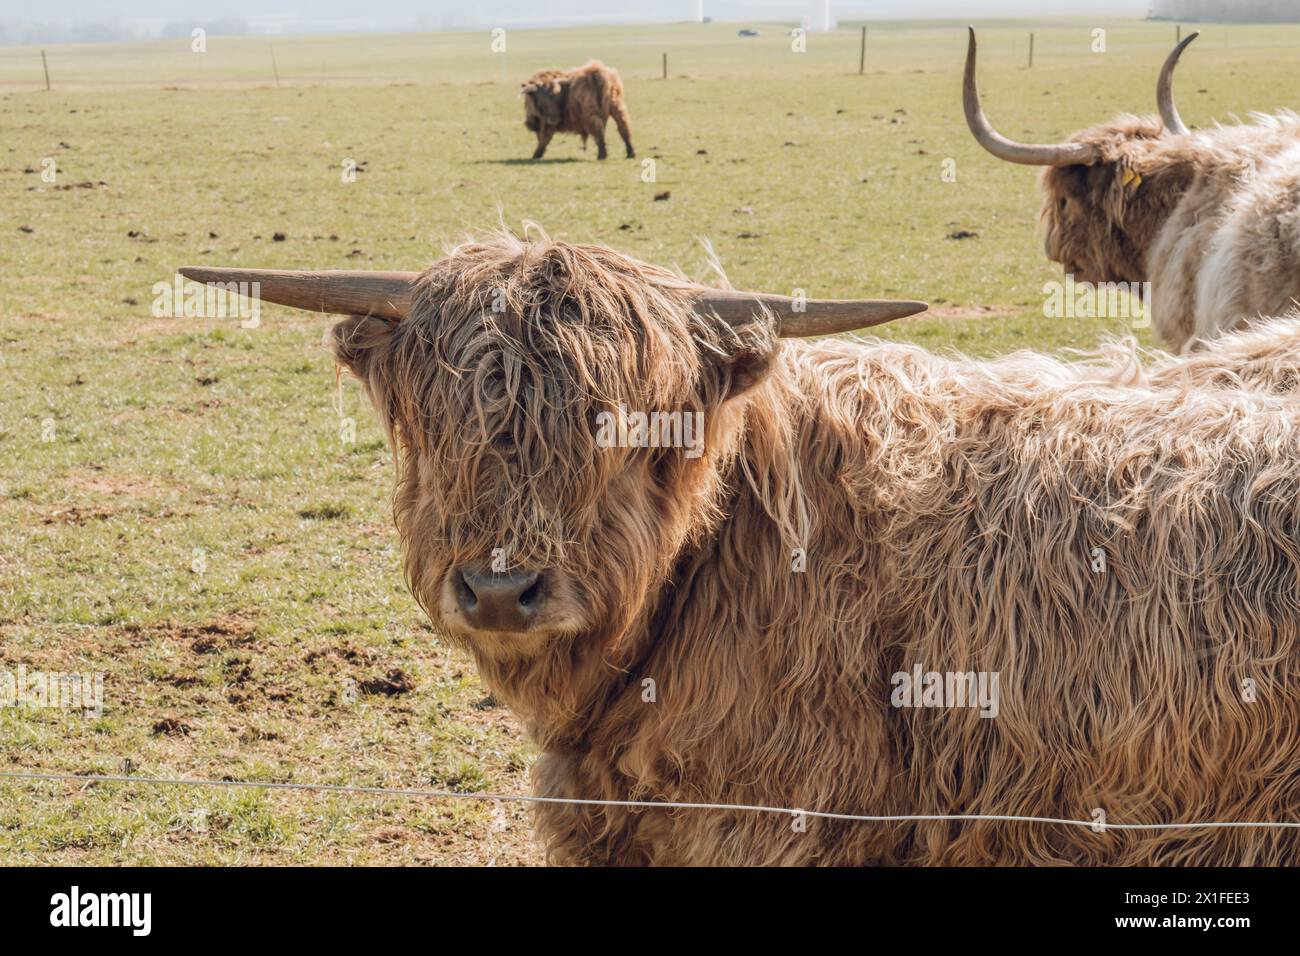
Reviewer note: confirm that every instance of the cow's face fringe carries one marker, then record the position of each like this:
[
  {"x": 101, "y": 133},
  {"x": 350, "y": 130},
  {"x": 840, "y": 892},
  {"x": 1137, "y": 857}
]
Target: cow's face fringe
[{"x": 491, "y": 393}]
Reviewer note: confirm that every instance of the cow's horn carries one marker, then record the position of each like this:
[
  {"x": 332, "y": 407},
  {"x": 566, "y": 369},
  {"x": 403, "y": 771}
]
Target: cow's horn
[
  {"x": 1165, "y": 90},
  {"x": 388, "y": 294},
  {"x": 798, "y": 318},
  {"x": 1060, "y": 154},
  {"x": 343, "y": 292}
]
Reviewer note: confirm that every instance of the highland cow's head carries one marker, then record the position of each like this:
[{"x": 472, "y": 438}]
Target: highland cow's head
[
  {"x": 1106, "y": 190},
  {"x": 543, "y": 95},
  {"x": 535, "y": 503},
  {"x": 1101, "y": 219},
  {"x": 522, "y": 517}
]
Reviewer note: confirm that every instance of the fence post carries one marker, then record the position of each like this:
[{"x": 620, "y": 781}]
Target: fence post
[
  {"x": 1031, "y": 51},
  {"x": 45, "y": 64},
  {"x": 862, "y": 55},
  {"x": 665, "y": 66},
  {"x": 275, "y": 69}
]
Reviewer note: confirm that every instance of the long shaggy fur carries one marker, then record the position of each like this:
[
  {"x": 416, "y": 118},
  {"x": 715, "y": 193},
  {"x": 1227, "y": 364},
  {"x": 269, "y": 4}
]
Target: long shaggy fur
[
  {"x": 1211, "y": 219},
  {"x": 1118, "y": 538},
  {"x": 581, "y": 100}
]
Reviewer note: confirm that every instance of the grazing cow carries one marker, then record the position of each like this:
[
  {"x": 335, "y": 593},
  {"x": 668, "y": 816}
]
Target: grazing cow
[
  {"x": 875, "y": 539},
  {"x": 581, "y": 101},
  {"x": 1211, "y": 219}
]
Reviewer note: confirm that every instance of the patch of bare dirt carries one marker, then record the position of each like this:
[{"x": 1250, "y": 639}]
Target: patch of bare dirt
[
  {"x": 395, "y": 682},
  {"x": 238, "y": 670},
  {"x": 171, "y": 727},
  {"x": 209, "y": 637},
  {"x": 394, "y": 835},
  {"x": 78, "y": 515},
  {"x": 346, "y": 652},
  {"x": 181, "y": 680}
]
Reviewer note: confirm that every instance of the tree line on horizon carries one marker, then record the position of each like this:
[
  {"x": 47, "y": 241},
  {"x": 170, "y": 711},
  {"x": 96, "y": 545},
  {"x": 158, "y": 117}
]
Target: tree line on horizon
[{"x": 1229, "y": 11}]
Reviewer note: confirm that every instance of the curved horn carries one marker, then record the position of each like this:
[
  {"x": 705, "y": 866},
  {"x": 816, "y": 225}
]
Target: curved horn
[
  {"x": 344, "y": 292},
  {"x": 1165, "y": 90},
  {"x": 813, "y": 317},
  {"x": 1061, "y": 154}
]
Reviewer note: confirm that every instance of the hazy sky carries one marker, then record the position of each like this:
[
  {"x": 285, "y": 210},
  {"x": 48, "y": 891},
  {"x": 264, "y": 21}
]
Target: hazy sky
[{"x": 480, "y": 11}]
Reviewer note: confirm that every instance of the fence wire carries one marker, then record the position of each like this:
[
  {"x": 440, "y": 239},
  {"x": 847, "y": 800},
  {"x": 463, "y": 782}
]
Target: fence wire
[{"x": 1099, "y": 826}]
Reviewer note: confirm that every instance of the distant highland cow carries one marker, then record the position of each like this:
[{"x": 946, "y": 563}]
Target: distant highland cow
[{"x": 581, "y": 101}]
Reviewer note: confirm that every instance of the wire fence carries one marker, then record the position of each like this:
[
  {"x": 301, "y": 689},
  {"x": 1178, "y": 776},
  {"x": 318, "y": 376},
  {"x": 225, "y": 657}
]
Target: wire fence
[
  {"x": 643, "y": 52},
  {"x": 1098, "y": 825}
]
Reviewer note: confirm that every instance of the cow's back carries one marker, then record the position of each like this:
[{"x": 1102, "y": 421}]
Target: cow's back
[
  {"x": 1126, "y": 561},
  {"x": 1230, "y": 250}
]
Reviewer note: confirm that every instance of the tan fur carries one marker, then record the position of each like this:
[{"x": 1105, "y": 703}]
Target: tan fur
[
  {"x": 581, "y": 100},
  {"x": 1213, "y": 223},
  {"x": 951, "y": 511}
]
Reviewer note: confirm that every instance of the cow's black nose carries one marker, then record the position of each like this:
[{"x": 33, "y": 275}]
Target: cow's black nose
[{"x": 498, "y": 602}]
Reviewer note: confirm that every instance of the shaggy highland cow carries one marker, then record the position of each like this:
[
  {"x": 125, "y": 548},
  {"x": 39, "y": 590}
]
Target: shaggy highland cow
[
  {"x": 1210, "y": 218},
  {"x": 581, "y": 100},
  {"x": 1104, "y": 557}
]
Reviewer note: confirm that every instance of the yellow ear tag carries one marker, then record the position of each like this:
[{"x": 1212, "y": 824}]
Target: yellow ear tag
[{"x": 1130, "y": 180}]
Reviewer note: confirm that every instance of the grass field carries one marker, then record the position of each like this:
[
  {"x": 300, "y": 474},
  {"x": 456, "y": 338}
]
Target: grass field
[{"x": 178, "y": 509}]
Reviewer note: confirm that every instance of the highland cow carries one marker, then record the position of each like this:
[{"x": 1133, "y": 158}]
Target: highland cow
[
  {"x": 1110, "y": 549},
  {"x": 581, "y": 100},
  {"x": 1211, "y": 219}
]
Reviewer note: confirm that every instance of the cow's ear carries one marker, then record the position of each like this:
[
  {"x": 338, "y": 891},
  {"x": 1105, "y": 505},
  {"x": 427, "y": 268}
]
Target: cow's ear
[
  {"x": 739, "y": 357},
  {"x": 356, "y": 340}
]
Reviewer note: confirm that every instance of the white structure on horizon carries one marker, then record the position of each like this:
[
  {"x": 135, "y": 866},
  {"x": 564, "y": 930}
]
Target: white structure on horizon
[
  {"x": 819, "y": 20},
  {"x": 699, "y": 11}
]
